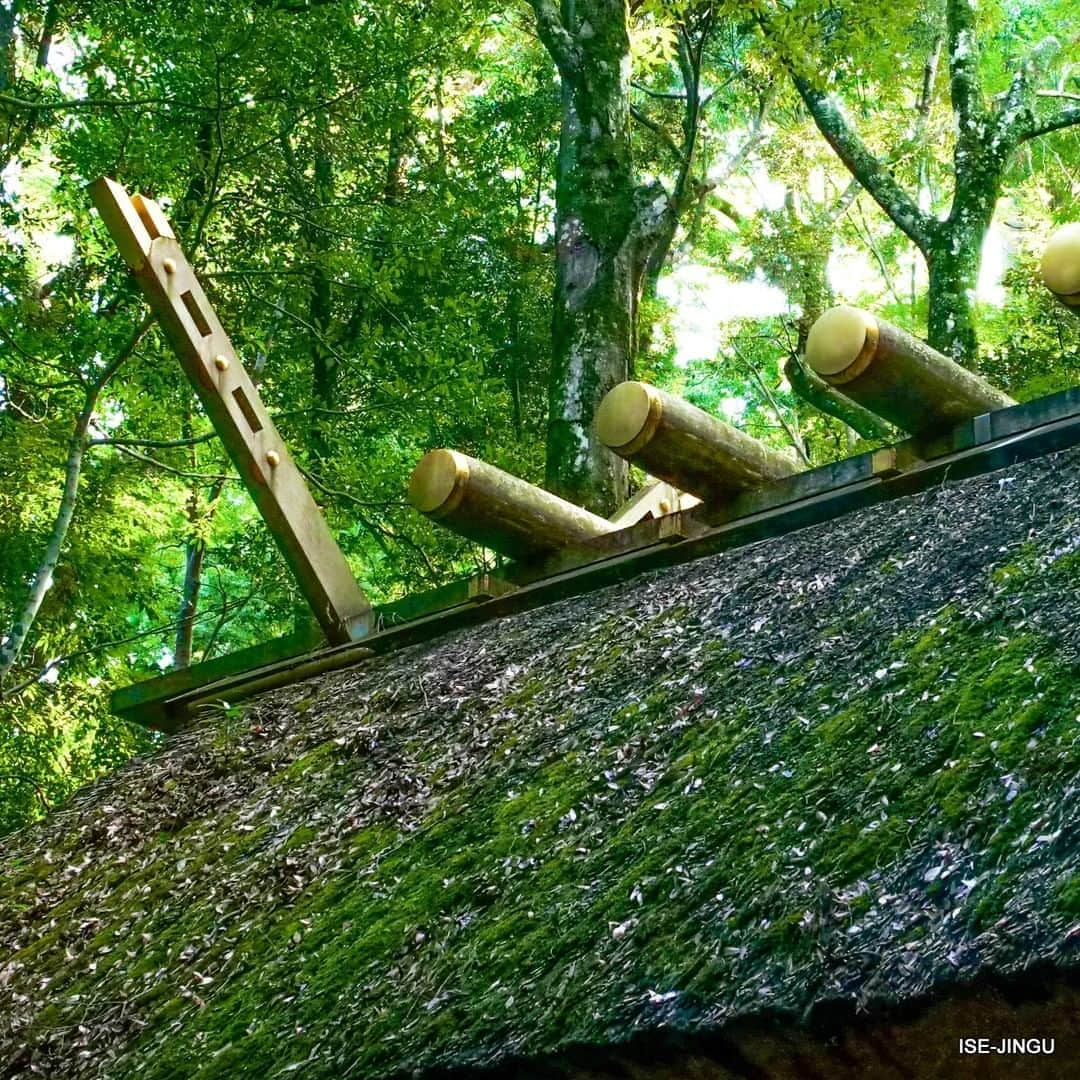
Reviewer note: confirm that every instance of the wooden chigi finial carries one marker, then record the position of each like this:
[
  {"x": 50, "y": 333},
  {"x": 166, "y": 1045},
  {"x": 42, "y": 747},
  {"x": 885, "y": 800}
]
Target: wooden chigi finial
[
  {"x": 683, "y": 445},
  {"x": 500, "y": 511},
  {"x": 1061, "y": 265},
  {"x": 895, "y": 375}
]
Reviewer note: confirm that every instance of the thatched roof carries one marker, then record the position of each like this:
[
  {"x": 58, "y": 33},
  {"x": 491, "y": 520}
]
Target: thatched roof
[{"x": 835, "y": 770}]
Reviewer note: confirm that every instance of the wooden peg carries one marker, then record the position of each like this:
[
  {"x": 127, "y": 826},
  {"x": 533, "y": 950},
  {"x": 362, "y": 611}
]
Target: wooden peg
[
  {"x": 684, "y": 445},
  {"x": 498, "y": 510},
  {"x": 895, "y": 375},
  {"x": 221, "y": 362}
]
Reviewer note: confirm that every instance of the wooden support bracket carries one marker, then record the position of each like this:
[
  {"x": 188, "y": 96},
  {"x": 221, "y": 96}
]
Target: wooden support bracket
[
  {"x": 884, "y": 462},
  {"x": 149, "y": 246},
  {"x": 488, "y": 586},
  {"x": 656, "y": 499}
]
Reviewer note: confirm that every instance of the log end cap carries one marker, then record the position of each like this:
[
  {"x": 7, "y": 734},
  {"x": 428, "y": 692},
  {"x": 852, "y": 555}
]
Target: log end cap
[
  {"x": 840, "y": 338},
  {"x": 437, "y": 478},
  {"x": 1061, "y": 261},
  {"x": 627, "y": 415}
]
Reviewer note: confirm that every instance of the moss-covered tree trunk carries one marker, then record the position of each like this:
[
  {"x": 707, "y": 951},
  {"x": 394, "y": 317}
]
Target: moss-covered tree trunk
[
  {"x": 953, "y": 248},
  {"x": 606, "y": 225},
  {"x": 953, "y": 260}
]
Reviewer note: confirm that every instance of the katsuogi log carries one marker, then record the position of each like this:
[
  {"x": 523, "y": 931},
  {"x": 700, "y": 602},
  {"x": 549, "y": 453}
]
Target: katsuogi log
[
  {"x": 896, "y": 375},
  {"x": 1061, "y": 265},
  {"x": 684, "y": 445},
  {"x": 498, "y": 510}
]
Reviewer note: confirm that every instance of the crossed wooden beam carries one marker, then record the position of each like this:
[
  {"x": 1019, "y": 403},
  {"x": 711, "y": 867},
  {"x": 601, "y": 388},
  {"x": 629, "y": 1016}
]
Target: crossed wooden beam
[{"x": 146, "y": 241}]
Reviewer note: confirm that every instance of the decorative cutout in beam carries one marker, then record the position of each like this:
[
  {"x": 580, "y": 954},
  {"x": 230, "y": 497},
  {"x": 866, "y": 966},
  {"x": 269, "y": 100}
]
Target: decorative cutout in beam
[
  {"x": 149, "y": 246},
  {"x": 1061, "y": 266},
  {"x": 684, "y": 445},
  {"x": 500, "y": 511},
  {"x": 896, "y": 375}
]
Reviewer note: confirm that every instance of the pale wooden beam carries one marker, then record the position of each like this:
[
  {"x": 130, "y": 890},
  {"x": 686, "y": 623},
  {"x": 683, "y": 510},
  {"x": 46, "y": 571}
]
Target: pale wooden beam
[
  {"x": 684, "y": 445},
  {"x": 1061, "y": 266},
  {"x": 500, "y": 511},
  {"x": 891, "y": 373},
  {"x": 148, "y": 245},
  {"x": 656, "y": 499}
]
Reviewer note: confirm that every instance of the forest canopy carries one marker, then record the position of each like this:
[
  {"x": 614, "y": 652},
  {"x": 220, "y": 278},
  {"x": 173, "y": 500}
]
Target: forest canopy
[{"x": 443, "y": 224}]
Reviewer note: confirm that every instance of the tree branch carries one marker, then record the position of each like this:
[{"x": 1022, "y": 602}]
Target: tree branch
[
  {"x": 1063, "y": 94},
  {"x": 792, "y": 433},
  {"x": 964, "y": 85},
  {"x": 1046, "y": 126},
  {"x": 42, "y": 797},
  {"x": 663, "y": 94},
  {"x": 210, "y": 478},
  {"x": 926, "y": 95},
  {"x": 865, "y": 166},
  {"x": 378, "y": 532},
  {"x": 79, "y": 104},
  {"x": 154, "y": 444},
  {"x": 558, "y": 41},
  {"x": 43, "y": 576},
  {"x": 823, "y": 397},
  {"x": 669, "y": 143},
  {"x": 93, "y": 650}
]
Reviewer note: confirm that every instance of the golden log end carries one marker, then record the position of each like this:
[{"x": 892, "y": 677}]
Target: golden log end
[
  {"x": 1061, "y": 263},
  {"x": 628, "y": 417},
  {"x": 842, "y": 343},
  {"x": 438, "y": 482}
]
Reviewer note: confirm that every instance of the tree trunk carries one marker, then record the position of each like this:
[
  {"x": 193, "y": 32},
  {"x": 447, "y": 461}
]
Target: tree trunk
[
  {"x": 7, "y": 45},
  {"x": 195, "y": 553},
  {"x": 18, "y": 135},
  {"x": 43, "y": 577},
  {"x": 13, "y": 643},
  {"x": 954, "y": 274},
  {"x": 195, "y": 548},
  {"x": 52, "y": 18},
  {"x": 592, "y": 325},
  {"x": 605, "y": 228},
  {"x": 987, "y": 137},
  {"x": 320, "y": 307},
  {"x": 954, "y": 254}
]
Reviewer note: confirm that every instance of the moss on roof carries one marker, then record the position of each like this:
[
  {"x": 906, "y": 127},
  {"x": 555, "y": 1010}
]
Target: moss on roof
[{"x": 837, "y": 766}]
